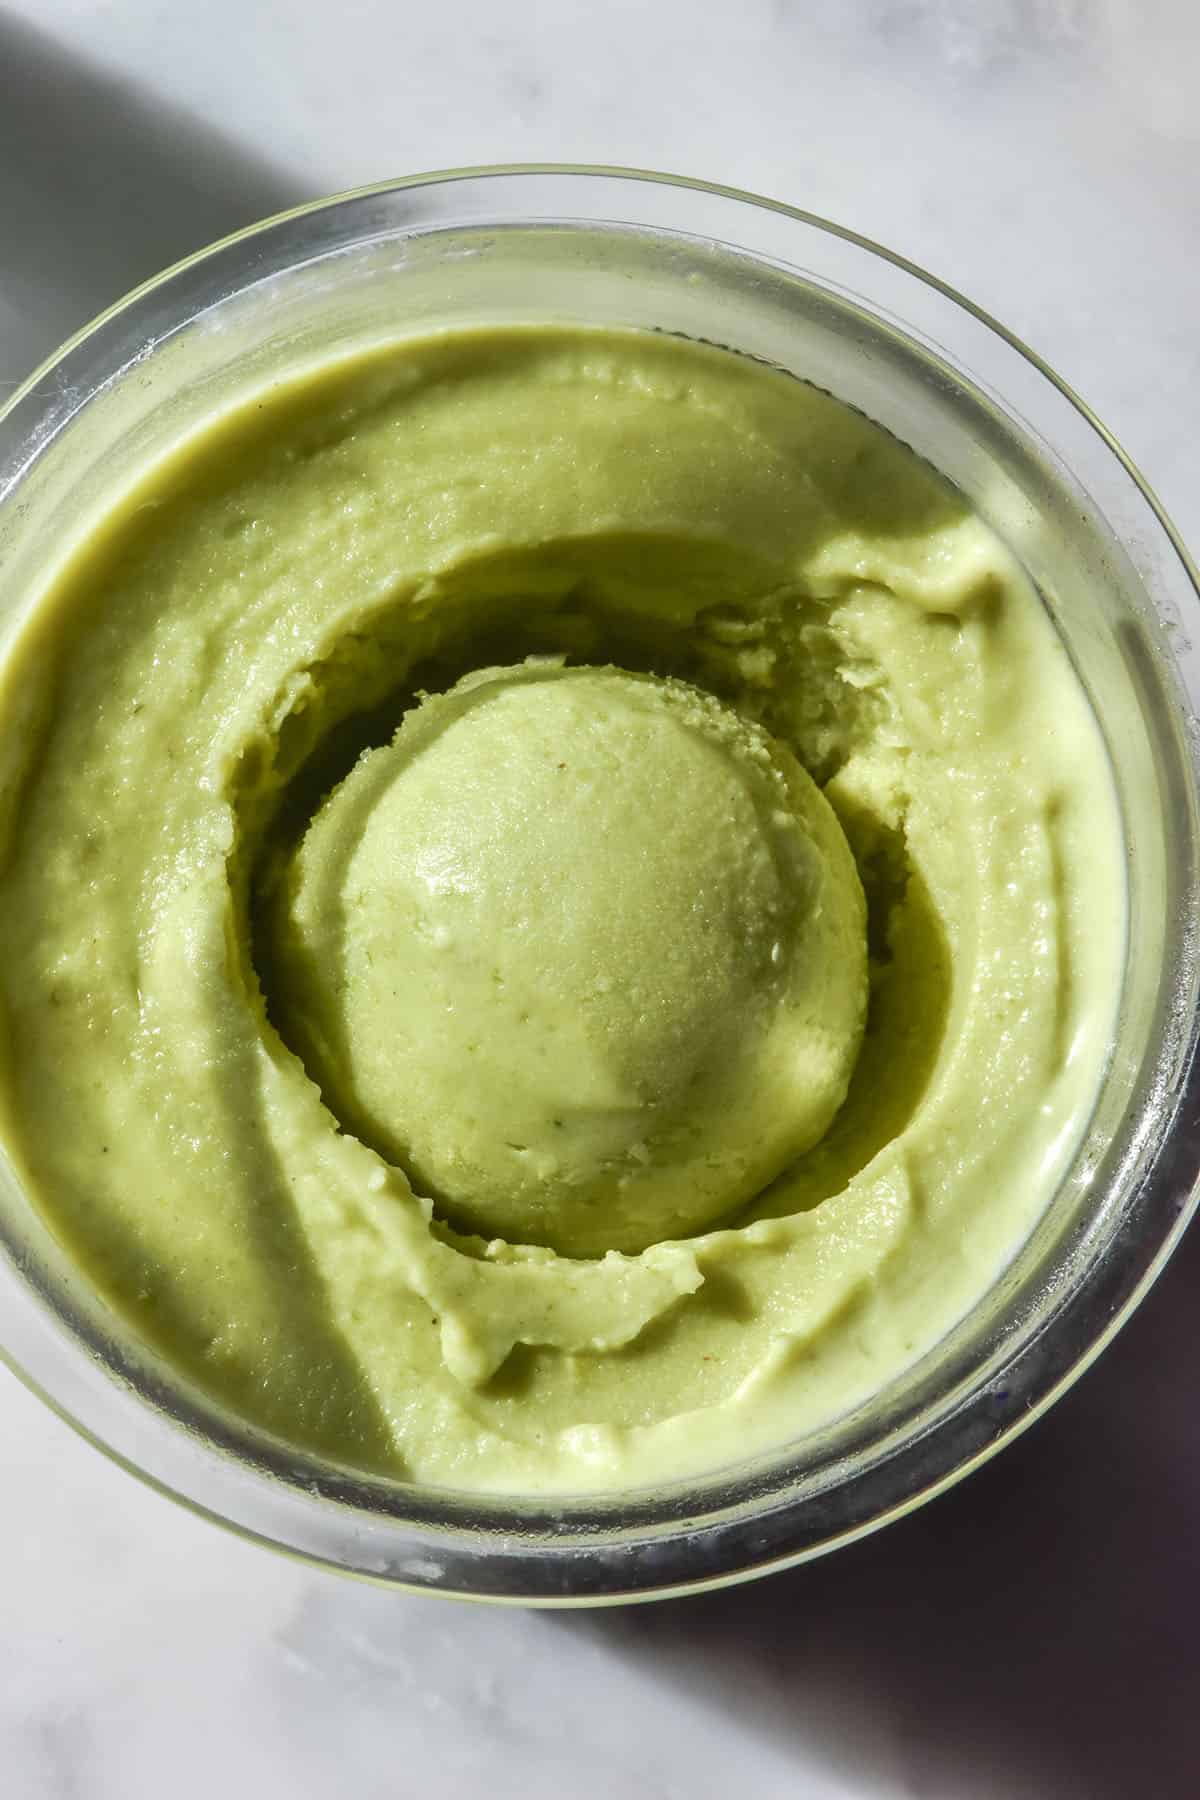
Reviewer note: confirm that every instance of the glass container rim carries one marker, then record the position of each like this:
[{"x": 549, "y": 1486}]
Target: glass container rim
[{"x": 1137, "y": 1275}]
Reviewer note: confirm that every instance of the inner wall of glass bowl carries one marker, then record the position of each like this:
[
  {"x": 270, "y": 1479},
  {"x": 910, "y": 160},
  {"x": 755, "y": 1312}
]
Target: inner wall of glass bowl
[{"x": 394, "y": 284}]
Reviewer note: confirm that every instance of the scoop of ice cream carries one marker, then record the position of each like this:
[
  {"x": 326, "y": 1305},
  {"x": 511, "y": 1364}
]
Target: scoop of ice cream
[{"x": 583, "y": 951}]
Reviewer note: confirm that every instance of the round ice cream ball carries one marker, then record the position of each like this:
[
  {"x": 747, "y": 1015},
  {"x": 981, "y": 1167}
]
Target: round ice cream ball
[{"x": 583, "y": 951}]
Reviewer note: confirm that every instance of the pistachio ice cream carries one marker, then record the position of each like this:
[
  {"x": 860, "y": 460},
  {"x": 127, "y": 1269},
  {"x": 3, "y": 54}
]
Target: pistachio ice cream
[
  {"x": 581, "y": 950},
  {"x": 563, "y": 907}
]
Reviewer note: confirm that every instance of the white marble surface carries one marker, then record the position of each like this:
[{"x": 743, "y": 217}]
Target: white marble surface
[{"x": 1033, "y": 1633}]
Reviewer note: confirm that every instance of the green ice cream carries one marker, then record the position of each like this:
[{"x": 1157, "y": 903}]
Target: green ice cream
[
  {"x": 458, "y": 810},
  {"x": 583, "y": 951}
]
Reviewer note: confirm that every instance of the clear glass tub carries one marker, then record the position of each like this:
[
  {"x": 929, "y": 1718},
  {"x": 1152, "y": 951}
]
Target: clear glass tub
[{"x": 623, "y": 247}]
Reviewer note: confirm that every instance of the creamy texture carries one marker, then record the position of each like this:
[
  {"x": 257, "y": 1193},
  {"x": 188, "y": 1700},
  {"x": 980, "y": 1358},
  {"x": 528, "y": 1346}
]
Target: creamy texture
[
  {"x": 219, "y": 1131},
  {"x": 583, "y": 951}
]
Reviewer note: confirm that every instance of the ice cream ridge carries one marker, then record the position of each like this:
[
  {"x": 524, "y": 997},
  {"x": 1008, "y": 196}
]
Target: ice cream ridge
[{"x": 563, "y": 906}]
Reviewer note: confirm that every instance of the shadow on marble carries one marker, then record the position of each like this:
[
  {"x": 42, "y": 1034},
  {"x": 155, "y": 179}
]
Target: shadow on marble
[
  {"x": 1034, "y": 1632},
  {"x": 101, "y": 186}
]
